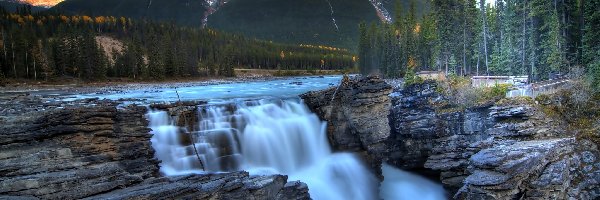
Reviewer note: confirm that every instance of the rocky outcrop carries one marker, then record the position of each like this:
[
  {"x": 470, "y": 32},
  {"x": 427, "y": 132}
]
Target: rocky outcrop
[
  {"x": 75, "y": 152},
  {"x": 533, "y": 169},
  {"x": 99, "y": 149},
  {"x": 237, "y": 185},
  {"x": 357, "y": 115},
  {"x": 419, "y": 126},
  {"x": 510, "y": 149}
]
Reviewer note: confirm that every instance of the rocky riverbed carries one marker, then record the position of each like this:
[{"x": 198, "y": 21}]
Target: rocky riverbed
[
  {"x": 505, "y": 150},
  {"x": 96, "y": 149}
]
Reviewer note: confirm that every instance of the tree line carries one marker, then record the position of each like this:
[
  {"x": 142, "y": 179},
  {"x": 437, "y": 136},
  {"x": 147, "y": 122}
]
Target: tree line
[
  {"x": 537, "y": 38},
  {"x": 50, "y": 45}
]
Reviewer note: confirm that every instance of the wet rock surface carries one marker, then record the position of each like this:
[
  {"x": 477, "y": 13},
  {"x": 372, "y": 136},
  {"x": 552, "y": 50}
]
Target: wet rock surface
[
  {"x": 509, "y": 150},
  {"x": 101, "y": 150},
  {"x": 357, "y": 115}
]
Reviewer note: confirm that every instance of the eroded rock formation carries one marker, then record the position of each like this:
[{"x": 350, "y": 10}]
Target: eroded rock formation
[
  {"x": 507, "y": 150},
  {"x": 98, "y": 150},
  {"x": 357, "y": 115}
]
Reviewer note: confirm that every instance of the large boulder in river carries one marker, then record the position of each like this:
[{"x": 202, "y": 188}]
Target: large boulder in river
[
  {"x": 100, "y": 150},
  {"x": 357, "y": 115}
]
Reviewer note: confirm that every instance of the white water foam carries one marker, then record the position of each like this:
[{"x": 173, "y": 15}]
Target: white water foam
[{"x": 267, "y": 137}]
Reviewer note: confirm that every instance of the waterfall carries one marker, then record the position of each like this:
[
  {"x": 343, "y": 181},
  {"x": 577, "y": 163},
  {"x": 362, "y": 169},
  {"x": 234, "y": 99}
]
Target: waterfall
[{"x": 262, "y": 137}]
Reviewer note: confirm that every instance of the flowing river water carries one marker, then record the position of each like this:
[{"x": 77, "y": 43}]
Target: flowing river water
[{"x": 264, "y": 128}]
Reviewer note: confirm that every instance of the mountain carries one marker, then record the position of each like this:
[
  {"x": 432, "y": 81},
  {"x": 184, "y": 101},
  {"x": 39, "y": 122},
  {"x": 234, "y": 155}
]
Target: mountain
[
  {"x": 322, "y": 22},
  {"x": 41, "y": 3},
  {"x": 12, "y": 5},
  {"x": 390, "y": 5},
  {"x": 184, "y": 12},
  {"x": 326, "y": 22}
]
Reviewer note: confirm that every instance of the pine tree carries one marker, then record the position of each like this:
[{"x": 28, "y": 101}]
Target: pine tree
[
  {"x": 156, "y": 69},
  {"x": 591, "y": 41}
]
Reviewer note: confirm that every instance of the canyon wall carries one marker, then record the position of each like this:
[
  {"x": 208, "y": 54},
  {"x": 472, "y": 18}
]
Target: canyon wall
[
  {"x": 357, "y": 115},
  {"x": 504, "y": 150}
]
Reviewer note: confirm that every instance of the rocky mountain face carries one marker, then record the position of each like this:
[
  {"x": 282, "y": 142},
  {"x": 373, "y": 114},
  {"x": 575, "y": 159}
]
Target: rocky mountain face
[
  {"x": 99, "y": 150},
  {"x": 508, "y": 150},
  {"x": 12, "y": 5}
]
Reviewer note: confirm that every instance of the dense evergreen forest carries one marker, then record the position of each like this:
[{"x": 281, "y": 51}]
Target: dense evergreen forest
[
  {"x": 468, "y": 37},
  {"x": 46, "y": 45},
  {"x": 182, "y": 12}
]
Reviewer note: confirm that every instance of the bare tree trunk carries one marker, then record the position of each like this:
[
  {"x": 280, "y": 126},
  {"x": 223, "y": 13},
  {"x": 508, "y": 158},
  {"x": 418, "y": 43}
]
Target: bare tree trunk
[
  {"x": 533, "y": 53},
  {"x": 446, "y": 63},
  {"x": 27, "y": 63},
  {"x": 523, "y": 51},
  {"x": 13, "y": 58},
  {"x": 34, "y": 70},
  {"x": 4, "y": 45},
  {"x": 483, "y": 18},
  {"x": 564, "y": 32},
  {"x": 464, "y": 68},
  {"x": 478, "y": 60},
  {"x": 581, "y": 32}
]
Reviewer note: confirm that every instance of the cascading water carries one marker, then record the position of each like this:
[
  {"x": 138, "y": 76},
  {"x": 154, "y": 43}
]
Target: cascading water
[{"x": 263, "y": 137}]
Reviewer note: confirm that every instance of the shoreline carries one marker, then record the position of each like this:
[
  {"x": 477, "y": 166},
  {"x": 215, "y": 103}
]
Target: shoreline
[
  {"x": 82, "y": 88},
  {"x": 72, "y": 86}
]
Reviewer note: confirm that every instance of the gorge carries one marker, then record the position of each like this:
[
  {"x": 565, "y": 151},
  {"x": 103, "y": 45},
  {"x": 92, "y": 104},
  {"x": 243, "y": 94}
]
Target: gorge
[{"x": 335, "y": 144}]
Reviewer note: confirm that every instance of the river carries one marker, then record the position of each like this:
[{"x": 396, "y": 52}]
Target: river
[{"x": 264, "y": 128}]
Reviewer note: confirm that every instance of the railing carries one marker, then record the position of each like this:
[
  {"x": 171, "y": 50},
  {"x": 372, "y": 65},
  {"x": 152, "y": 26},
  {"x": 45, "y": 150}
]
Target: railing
[{"x": 535, "y": 89}]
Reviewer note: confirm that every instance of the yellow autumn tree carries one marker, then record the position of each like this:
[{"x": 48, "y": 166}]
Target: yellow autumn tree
[
  {"x": 29, "y": 18},
  {"x": 412, "y": 63},
  {"x": 65, "y": 19},
  {"x": 100, "y": 20},
  {"x": 75, "y": 19},
  {"x": 87, "y": 19}
]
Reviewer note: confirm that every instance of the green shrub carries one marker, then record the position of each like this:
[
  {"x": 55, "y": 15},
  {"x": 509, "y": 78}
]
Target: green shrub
[
  {"x": 459, "y": 92},
  {"x": 411, "y": 78}
]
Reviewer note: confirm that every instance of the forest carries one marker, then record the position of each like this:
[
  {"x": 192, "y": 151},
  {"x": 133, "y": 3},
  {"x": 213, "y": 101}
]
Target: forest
[
  {"x": 53, "y": 46},
  {"x": 536, "y": 38}
]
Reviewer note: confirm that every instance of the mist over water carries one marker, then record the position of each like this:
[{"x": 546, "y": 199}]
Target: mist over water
[{"x": 403, "y": 185}]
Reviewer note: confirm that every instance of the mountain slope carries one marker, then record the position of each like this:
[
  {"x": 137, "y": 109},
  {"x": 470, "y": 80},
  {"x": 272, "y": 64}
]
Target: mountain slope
[
  {"x": 296, "y": 21},
  {"x": 290, "y": 21},
  {"x": 184, "y": 12},
  {"x": 13, "y": 5},
  {"x": 420, "y": 6}
]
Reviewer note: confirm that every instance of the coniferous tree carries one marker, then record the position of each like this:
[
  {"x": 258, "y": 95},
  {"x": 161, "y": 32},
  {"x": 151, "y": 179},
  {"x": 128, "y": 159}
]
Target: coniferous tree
[{"x": 591, "y": 40}]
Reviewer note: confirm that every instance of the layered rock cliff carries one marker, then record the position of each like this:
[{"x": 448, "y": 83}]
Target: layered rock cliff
[
  {"x": 507, "y": 150},
  {"x": 98, "y": 150},
  {"x": 357, "y": 115}
]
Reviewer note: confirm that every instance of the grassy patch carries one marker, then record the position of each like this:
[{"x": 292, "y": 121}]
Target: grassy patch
[
  {"x": 460, "y": 93},
  {"x": 516, "y": 101}
]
